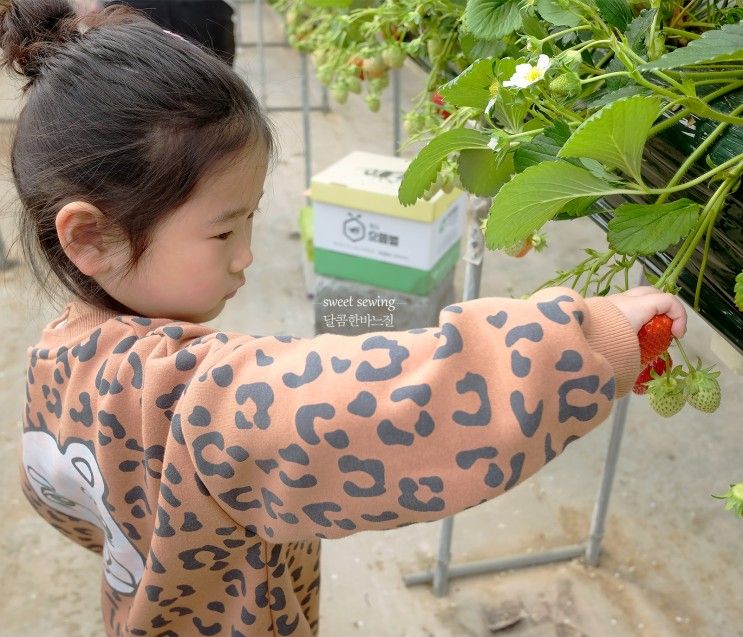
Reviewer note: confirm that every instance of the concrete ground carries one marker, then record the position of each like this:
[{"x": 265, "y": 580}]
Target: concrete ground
[{"x": 671, "y": 564}]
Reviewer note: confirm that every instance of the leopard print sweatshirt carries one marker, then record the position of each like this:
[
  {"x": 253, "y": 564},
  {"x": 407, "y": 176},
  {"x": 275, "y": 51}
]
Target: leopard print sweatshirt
[{"x": 206, "y": 466}]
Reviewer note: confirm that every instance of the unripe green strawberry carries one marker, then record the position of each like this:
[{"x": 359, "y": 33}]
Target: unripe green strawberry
[
  {"x": 733, "y": 499},
  {"x": 372, "y": 101},
  {"x": 394, "y": 57},
  {"x": 666, "y": 393},
  {"x": 354, "y": 84},
  {"x": 379, "y": 83},
  {"x": 413, "y": 122},
  {"x": 339, "y": 93},
  {"x": 702, "y": 389},
  {"x": 571, "y": 60},
  {"x": 325, "y": 74},
  {"x": 565, "y": 86},
  {"x": 435, "y": 46},
  {"x": 667, "y": 403}
]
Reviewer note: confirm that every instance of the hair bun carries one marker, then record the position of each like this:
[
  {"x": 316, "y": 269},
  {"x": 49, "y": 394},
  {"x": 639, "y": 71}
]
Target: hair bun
[{"x": 32, "y": 30}]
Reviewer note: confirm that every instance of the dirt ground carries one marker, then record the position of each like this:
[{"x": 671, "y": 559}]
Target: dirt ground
[{"x": 671, "y": 562}]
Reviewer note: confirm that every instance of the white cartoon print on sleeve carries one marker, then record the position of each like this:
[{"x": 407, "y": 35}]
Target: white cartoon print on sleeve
[{"x": 70, "y": 481}]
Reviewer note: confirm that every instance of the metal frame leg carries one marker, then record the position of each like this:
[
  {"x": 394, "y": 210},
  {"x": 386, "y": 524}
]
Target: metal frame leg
[
  {"x": 590, "y": 550},
  {"x": 260, "y": 52},
  {"x": 306, "y": 122},
  {"x": 396, "y": 113}
]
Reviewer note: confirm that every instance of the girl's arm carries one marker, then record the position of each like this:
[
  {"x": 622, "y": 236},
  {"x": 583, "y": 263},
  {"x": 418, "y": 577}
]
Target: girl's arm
[{"x": 323, "y": 437}]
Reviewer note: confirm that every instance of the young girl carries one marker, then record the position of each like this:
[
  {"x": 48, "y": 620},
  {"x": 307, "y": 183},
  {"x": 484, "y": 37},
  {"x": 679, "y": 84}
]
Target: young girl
[{"x": 206, "y": 466}]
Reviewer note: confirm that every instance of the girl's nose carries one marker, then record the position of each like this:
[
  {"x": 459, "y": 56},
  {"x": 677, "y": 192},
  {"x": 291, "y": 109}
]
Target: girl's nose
[{"x": 242, "y": 258}]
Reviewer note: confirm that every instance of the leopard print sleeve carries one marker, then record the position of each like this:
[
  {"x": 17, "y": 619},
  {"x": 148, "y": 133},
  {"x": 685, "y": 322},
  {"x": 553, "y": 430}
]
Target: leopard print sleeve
[
  {"x": 205, "y": 466},
  {"x": 323, "y": 437}
]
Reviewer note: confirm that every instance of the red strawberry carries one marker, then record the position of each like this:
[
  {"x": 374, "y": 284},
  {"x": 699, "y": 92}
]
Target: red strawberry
[
  {"x": 655, "y": 337},
  {"x": 437, "y": 99},
  {"x": 659, "y": 365},
  {"x": 358, "y": 62},
  {"x": 536, "y": 240}
]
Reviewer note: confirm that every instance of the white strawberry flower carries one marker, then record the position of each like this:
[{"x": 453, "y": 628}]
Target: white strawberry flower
[{"x": 526, "y": 74}]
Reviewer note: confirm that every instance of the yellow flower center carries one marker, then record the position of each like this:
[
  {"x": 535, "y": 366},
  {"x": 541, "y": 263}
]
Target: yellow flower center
[{"x": 534, "y": 74}]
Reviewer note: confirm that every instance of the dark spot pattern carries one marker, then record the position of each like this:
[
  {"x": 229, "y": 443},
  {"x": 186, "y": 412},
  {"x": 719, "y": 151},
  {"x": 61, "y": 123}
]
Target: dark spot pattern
[
  {"x": 371, "y": 467},
  {"x": 305, "y": 420},
  {"x": 498, "y": 320},
  {"x": 473, "y": 383},
  {"x": 262, "y": 396},
  {"x": 453, "y": 345},
  {"x": 570, "y": 361},
  {"x": 520, "y": 365},
  {"x": 419, "y": 394},
  {"x": 531, "y": 332},
  {"x": 312, "y": 371},
  {"x": 367, "y": 373},
  {"x": 363, "y": 405},
  {"x": 528, "y": 421},
  {"x": 553, "y": 311},
  {"x": 585, "y": 413}
]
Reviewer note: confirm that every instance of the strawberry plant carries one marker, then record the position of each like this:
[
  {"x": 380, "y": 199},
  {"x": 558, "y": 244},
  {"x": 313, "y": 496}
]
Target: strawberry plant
[{"x": 553, "y": 108}]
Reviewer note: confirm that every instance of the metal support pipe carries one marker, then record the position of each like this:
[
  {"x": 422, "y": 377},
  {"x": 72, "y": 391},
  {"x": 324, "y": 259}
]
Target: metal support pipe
[
  {"x": 396, "y": 113},
  {"x": 504, "y": 564},
  {"x": 306, "y": 123},
  {"x": 443, "y": 572},
  {"x": 5, "y": 262},
  {"x": 602, "y": 501},
  {"x": 260, "y": 52},
  {"x": 476, "y": 212}
]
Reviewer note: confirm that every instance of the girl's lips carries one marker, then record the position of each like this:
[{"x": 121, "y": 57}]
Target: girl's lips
[{"x": 231, "y": 294}]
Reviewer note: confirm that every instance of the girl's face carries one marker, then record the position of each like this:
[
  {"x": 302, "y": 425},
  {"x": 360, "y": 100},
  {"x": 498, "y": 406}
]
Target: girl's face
[{"x": 199, "y": 255}]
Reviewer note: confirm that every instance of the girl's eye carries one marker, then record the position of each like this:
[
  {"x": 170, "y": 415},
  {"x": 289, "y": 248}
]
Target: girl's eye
[{"x": 226, "y": 235}]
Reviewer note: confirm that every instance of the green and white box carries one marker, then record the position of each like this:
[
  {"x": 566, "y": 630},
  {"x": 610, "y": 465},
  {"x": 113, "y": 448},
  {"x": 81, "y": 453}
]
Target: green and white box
[{"x": 361, "y": 231}]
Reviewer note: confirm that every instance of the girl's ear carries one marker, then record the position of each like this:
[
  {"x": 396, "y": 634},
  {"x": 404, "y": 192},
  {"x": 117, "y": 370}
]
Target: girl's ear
[{"x": 80, "y": 230}]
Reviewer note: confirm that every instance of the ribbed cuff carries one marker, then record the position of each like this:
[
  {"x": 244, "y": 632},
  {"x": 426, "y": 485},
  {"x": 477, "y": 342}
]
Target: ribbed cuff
[{"x": 611, "y": 334}]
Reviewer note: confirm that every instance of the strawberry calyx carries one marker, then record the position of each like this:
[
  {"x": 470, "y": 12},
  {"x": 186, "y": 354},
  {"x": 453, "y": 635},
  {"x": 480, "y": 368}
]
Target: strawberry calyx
[
  {"x": 702, "y": 388},
  {"x": 652, "y": 371},
  {"x": 733, "y": 499}
]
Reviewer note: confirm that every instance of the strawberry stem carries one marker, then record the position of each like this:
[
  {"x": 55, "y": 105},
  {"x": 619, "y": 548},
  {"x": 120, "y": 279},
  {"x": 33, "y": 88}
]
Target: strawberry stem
[{"x": 683, "y": 353}]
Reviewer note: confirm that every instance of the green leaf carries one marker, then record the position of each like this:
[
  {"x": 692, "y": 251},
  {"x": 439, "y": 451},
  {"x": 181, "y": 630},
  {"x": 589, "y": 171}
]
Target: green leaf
[
  {"x": 471, "y": 87},
  {"x": 541, "y": 148},
  {"x": 424, "y": 169},
  {"x": 333, "y": 4},
  {"x": 739, "y": 291},
  {"x": 607, "y": 97},
  {"x": 616, "y": 134},
  {"x": 617, "y": 13},
  {"x": 552, "y": 12},
  {"x": 492, "y": 19},
  {"x": 533, "y": 197},
  {"x": 722, "y": 45},
  {"x": 638, "y": 29},
  {"x": 650, "y": 228},
  {"x": 483, "y": 171}
]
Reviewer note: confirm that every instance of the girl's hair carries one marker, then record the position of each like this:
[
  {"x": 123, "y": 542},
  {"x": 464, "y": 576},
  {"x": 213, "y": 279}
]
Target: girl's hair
[{"x": 121, "y": 115}]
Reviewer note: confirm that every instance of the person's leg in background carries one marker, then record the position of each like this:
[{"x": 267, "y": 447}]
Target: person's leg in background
[{"x": 208, "y": 22}]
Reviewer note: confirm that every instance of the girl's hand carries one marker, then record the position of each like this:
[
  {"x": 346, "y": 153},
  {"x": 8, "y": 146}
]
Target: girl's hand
[{"x": 642, "y": 303}]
